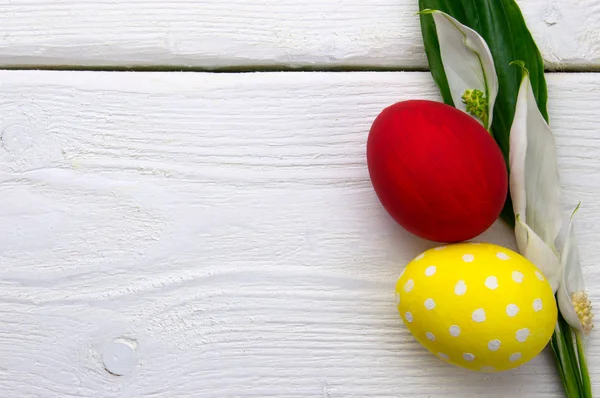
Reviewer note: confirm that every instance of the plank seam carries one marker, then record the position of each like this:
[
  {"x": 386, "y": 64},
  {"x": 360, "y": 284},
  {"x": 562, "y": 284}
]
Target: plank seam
[{"x": 251, "y": 69}]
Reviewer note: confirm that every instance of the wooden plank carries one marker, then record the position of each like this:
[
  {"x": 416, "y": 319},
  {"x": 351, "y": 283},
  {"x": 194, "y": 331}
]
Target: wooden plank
[
  {"x": 241, "y": 33},
  {"x": 225, "y": 226}
]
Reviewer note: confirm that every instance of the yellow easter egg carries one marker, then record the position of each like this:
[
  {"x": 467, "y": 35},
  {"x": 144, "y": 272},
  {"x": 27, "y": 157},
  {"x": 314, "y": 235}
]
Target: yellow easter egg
[{"x": 477, "y": 305}]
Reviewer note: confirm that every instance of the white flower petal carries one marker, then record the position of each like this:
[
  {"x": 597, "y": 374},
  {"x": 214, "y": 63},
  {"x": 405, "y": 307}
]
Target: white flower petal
[
  {"x": 534, "y": 180},
  {"x": 535, "y": 185},
  {"x": 539, "y": 253},
  {"x": 467, "y": 61},
  {"x": 572, "y": 279}
]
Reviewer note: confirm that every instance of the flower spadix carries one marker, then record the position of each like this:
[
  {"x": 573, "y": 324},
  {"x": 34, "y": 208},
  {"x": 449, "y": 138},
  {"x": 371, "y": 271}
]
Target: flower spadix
[{"x": 469, "y": 67}]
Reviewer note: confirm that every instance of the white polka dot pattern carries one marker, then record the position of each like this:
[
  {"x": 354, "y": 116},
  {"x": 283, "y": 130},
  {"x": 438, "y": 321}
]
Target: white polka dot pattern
[
  {"x": 430, "y": 336},
  {"x": 409, "y": 286},
  {"x": 537, "y": 305},
  {"x": 409, "y": 317},
  {"x": 522, "y": 335},
  {"x": 460, "y": 288},
  {"x": 503, "y": 256},
  {"x": 429, "y": 304},
  {"x": 455, "y": 330},
  {"x": 539, "y": 275},
  {"x": 515, "y": 357},
  {"x": 517, "y": 276},
  {"x": 468, "y": 356},
  {"x": 478, "y": 315},
  {"x": 512, "y": 310},
  {"x": 494, "y": 345},
  {"x": 491, "y": 282},
  {"x": 430, "y": 271},
  {"x": 468, "y": 258}
]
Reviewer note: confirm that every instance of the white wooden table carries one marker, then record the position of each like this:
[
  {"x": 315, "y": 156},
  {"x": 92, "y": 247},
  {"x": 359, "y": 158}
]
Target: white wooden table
[{"x": 205, "y": 234}]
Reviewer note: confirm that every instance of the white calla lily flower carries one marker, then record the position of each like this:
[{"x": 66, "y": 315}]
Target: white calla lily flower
[
  {"x": 573, "y": 301},
  {"x": 535, "y": 191},
  {"x": 535, "y": 185},
  {"x": 469, "y": 67}
]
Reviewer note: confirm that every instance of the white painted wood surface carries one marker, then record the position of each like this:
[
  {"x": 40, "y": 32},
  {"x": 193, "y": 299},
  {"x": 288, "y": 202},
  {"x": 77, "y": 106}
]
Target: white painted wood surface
[
  {"x": 225, "y": 226},
  {"x": 216, "y": 33}
]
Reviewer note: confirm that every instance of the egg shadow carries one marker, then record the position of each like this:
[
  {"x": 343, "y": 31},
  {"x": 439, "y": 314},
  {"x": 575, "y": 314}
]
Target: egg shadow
[
  {"x": 405, "y": 246},
  {"x": 537, "y": 377},
  {"x": 500, "y": 233}
]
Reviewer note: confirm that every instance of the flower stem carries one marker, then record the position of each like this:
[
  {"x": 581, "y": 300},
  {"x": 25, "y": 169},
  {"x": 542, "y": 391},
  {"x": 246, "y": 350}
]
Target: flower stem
[
  {"x": 585, "y": 376},
  {"x": 567, "y": 345},
  {"x": 564, "y": 364},
  {"x": 572, "y": 351}
]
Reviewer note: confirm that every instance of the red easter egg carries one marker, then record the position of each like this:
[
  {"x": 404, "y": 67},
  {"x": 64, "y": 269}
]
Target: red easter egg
[{"x": 436, "y": 170}]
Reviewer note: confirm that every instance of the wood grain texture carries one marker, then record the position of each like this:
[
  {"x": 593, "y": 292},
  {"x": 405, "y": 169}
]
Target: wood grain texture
[
  {"x": 225, "y": 223},
  {"x": 247, "y": 33}
]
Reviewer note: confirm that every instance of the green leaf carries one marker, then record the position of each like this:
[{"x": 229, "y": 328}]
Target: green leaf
[{"x": 502, "y": 26}]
